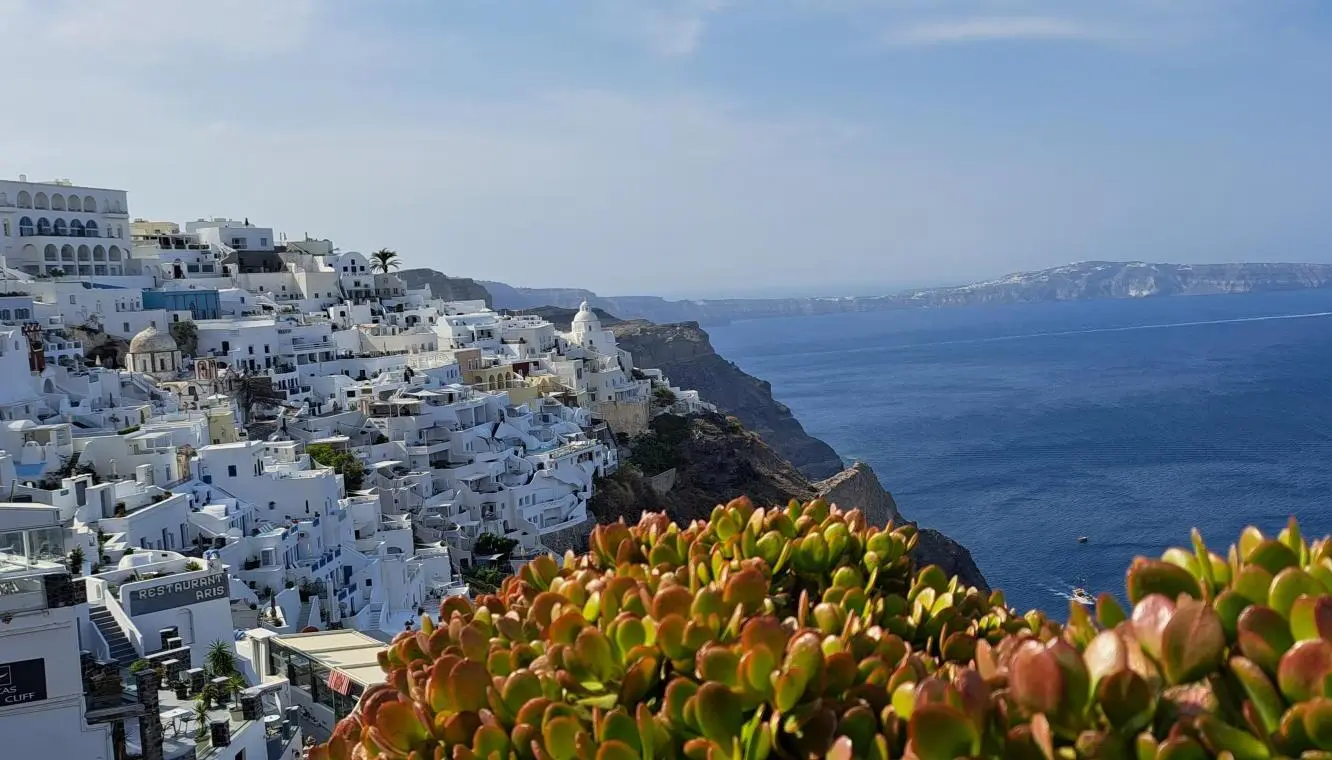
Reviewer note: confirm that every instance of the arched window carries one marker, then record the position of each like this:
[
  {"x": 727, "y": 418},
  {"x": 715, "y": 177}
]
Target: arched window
[
  {"x": 84, "y": 253},
  {"x": 75, "y": 226},
  {"x": 89, "y": 204},
  {"x": 39, "y": 201},
  {"x": 51, "y": 254},
  {"x": 57, "y": 202},
  {"x": 90, "y": 229},
  {"x": 24, "y": 200},
  {"x": 25, "y": 226},
  {"x": 120, "y": 231},
  {"x": 43, "y": 226},
  {"x": 74, "y": 203},
  {"x": 67, "y": 253},
  {"x": 114, "y": 253},
  {"x": 59, "y": 228},
  {"x": 98, "y": 255}
]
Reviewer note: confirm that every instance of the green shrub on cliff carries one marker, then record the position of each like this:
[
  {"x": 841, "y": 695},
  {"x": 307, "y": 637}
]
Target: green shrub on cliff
[{"x": 803, "y": 632}]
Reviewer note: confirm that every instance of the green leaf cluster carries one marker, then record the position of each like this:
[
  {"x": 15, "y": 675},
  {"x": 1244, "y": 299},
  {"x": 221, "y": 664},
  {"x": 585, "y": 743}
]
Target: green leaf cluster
[{"x": 802, "y": 632}]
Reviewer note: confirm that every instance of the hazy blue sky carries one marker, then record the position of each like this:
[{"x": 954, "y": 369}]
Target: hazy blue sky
[{"x": 698, "y": 146}]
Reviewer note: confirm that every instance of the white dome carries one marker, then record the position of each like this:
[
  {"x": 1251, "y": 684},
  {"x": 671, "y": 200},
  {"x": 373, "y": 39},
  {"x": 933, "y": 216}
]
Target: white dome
[
  {"x": 151, "y": 341},
  {"x": 585, "y": 315}
]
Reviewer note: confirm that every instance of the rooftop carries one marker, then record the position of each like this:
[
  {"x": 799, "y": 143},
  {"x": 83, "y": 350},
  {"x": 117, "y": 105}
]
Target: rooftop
[{"x": 348, "y": 651}]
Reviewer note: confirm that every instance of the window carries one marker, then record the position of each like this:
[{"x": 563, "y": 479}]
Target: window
[
  {"x": 21, "y": 314},
  {"x": 367, "y": 583},
  {"x": 263, "y": 241},
  {"x": 127, "y": 327},
  {"x": 231, "y": 470},
  {"x": 72, "y": 299}
]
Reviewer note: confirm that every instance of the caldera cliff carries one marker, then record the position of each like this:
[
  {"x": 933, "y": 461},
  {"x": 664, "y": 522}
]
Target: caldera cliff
[
  {"x": 684, "y": 352},
  {"x": 687, "y": 465}
]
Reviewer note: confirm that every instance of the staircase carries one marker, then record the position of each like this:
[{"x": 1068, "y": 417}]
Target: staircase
[
  {"x": 121, "y": 649},
  {"x": 376, "y": 615},
  {"x": 303, "y": 617}
]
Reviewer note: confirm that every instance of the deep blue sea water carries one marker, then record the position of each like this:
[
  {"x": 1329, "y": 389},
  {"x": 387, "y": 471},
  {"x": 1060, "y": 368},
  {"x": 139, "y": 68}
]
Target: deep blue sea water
[{"x": 1017, "y": 429}]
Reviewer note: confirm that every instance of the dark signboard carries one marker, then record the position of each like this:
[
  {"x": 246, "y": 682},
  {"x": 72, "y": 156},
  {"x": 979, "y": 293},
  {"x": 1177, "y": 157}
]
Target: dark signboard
[
  {"x": 177, "y": 593},
  {"x": 22, "y": 681}
]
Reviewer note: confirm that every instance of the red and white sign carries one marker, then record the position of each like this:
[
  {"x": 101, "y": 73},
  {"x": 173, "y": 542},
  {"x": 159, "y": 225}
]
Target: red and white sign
[{"x": 339, "y": 682}]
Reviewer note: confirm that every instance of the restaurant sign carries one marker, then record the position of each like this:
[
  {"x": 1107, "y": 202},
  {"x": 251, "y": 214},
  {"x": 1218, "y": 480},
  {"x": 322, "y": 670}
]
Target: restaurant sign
[{"x": 177, "y": 593}]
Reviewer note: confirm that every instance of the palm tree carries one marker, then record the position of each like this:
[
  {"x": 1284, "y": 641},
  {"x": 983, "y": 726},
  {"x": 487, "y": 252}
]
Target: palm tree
[
  {"x": 383, "y": 260},
  {"x": 221, "y": 659}
]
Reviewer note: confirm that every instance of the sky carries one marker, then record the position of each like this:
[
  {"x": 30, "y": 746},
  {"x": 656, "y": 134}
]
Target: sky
[{"x": 698, "y": 147}]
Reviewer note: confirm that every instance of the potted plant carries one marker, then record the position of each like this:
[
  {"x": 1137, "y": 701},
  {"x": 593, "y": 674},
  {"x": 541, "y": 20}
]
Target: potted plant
[
  {"x": 221, "y": 659},
  {"x": 201, "y": 715},
  {"x": 76, "y": 560}
]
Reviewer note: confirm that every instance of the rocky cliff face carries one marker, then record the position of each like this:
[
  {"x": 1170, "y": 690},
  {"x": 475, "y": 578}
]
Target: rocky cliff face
[
  {"x": 685, "y": 354},
  {"x": 858, "y": 486},
  {"x": 716, "y": 461},
  {"x": 1081, "y": 281},
  {"x": 448, "y": 288}
]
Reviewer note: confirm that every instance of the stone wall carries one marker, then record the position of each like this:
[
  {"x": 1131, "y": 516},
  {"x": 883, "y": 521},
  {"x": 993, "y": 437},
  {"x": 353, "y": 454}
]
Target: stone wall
[
  {"x": 573, "y": 537},
  {"x": 663, "y": 482},
  {"x": 857, "y": 487},
  {"x": 623, "y": 417}
]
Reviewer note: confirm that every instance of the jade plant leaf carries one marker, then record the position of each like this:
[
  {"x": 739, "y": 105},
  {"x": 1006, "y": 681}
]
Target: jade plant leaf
[{"x": 1193, "y": 642}]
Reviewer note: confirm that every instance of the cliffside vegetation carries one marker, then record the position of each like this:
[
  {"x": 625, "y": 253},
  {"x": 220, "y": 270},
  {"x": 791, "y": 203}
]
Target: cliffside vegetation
[{"x": 803, "y": 631}]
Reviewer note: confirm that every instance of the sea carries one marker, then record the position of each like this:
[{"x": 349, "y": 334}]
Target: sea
[{"x": 1018, "y": 429}]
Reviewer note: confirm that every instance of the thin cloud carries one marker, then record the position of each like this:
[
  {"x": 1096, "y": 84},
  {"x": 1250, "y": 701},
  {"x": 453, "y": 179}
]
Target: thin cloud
[
  {"x": 673, "y": 36},
  {"x": 992, "y": 29},
  {"x": 672, "y": 29}
]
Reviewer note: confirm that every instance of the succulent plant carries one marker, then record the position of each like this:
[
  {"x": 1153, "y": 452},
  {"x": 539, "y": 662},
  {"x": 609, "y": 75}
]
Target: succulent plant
[{"x": 801, "y": 631}]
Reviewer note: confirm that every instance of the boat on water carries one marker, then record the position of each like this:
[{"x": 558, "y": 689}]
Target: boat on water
[{"x": 1081, "y": 595}]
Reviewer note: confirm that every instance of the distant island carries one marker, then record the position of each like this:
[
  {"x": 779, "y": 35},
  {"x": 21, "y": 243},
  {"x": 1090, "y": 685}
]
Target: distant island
[{"x": 1073, "y": 282}]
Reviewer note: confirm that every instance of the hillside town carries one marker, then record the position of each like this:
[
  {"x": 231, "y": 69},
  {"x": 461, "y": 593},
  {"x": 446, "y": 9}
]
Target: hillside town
[{"x": 235, "y": 463}]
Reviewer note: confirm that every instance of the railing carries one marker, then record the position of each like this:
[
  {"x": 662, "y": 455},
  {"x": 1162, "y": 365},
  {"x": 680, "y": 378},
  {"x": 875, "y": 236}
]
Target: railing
[{"x": 100, "y": 646}]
